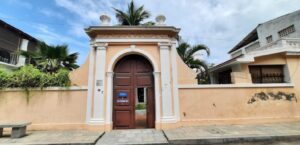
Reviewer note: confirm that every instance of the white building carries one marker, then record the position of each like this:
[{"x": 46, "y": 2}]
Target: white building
[
  {"x": 12, "y": 40},
  {"x": 278, "y": 36}
]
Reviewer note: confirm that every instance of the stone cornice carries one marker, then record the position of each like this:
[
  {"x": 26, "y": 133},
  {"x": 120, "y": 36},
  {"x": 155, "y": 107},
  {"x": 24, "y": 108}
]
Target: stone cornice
[
  {"x": 94, "y": 31},
  {"x": 131, "y": 36}
]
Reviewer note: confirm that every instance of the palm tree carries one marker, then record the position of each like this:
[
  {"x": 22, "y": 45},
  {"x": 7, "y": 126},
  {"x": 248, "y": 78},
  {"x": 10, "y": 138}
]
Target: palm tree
[
  {"x": 133, "y": 16},
  {"x": 187, "y": 54},
  {"x": 51, "y": 58}
]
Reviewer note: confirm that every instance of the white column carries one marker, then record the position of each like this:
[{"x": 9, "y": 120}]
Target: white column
[
  {"x": 109, "y": 97},
  {"x": 175, "y": 81},
  {"x": 23, "y": 47},
  {"x": 98, "y": 117},
  {"x": 167, "y": 112},
  {"x": 157, "y": 97},
  {"x": 90, "y": 83}
]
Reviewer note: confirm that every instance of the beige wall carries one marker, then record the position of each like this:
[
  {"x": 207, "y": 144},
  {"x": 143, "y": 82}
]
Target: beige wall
[
  {"x": 79, "y": 77},
  {"x": 66, "y": 109},
  {"x": 184, "y": 73},
  {"x": 220, "y": 105},
  {"x": 229, "y": 106},
  {"x": 48, "y": 109}
]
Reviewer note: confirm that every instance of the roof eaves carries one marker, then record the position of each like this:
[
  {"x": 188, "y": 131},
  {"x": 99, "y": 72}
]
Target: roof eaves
[
  {"x": 236, "y": 47},
  {"x": 225, "y": 63},
  {"x": 3, "y": 23}
]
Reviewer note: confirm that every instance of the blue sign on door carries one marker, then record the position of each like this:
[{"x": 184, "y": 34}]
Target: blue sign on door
[{"x": 123, "y": 95}]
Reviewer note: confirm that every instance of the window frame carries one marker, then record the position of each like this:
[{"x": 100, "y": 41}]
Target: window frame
[{"x": 261, "y": 77}]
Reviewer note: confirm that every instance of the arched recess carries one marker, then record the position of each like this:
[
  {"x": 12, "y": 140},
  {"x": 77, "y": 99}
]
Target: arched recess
[
  {"x": 129, "y": 51},
  {"x": 110, "y": 74}
]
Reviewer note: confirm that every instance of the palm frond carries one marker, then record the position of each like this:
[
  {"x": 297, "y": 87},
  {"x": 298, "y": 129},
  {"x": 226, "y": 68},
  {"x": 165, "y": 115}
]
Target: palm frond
[
  {"x": 187, "y": 54},
  {"x": 192, "y": 51},
  {"x": 133, "y": 15}
]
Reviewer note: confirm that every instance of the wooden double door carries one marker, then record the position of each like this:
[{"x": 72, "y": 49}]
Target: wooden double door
[{"x": 130, "y": 73}]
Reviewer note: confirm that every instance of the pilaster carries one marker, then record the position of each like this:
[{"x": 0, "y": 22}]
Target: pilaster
[
  {"x": 99, "y": 81},
  {"x": 167, "y": 110}
]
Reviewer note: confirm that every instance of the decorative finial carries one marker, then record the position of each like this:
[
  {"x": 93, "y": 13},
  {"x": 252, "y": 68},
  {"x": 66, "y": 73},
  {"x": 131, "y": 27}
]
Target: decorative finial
[
  {"x": 105, "y": 20},
  {"x": 160, "y": 20}
]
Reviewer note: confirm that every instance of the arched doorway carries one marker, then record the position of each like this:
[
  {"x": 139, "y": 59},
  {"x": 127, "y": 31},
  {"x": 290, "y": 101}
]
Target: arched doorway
[{"x": 133, "y": 93}]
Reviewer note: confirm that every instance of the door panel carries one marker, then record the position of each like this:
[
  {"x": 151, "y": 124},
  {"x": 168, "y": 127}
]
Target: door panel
[
  {"x": 123, "y": 80},
  {"x": 123, "y": 119},
  {"x": 144, "y": 80},
  {"x": 150, "y": 108},
  {"x": 131, "y": 72}
]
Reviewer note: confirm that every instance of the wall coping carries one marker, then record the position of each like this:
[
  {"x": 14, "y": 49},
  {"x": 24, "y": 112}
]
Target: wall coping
[
  {"x": 72, "y": 88},
  {"x": 281, "y": 85}
]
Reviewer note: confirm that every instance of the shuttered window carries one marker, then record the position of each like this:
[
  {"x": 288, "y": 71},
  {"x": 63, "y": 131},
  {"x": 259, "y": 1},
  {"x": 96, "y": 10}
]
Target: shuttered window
[
  {"x": 267, "y": 74},
  {"x": 286, "y": 31}
]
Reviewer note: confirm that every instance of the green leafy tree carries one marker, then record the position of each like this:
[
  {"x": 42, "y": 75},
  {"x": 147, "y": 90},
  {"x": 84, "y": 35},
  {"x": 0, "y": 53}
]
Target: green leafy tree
[
  {"x": 188, "y": 53},
  {"x": 133, "y": 16},
  {"x": 51, "y": 58}
]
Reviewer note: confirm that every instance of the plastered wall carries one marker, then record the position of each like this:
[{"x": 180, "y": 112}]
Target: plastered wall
[{"x": 55, "y": 109}]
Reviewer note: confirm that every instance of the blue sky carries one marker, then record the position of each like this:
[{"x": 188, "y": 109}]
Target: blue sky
[{"x": 219, "y": 24}]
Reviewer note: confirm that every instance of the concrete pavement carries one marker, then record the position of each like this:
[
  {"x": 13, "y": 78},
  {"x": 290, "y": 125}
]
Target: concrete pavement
[{"x": 258, "y": 134}]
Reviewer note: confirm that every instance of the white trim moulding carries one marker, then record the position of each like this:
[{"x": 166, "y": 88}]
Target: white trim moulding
[
  {"x": 72, "y": 88},
  {"x": 280, "y": 85}
]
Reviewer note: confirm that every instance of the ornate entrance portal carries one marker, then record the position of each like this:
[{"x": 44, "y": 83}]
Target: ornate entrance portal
[{"x": 133, "y": 93}]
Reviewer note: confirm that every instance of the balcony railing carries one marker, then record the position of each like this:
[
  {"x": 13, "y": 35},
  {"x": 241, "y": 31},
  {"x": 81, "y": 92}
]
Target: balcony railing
[
  {"x": 9, "y": 58},
  {"x": 290, "y": 44},
  {"x": 246, "y": 49}
]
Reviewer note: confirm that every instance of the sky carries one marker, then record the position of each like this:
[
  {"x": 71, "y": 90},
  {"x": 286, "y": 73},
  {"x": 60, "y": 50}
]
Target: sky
[{"x": 219, "y": 24}]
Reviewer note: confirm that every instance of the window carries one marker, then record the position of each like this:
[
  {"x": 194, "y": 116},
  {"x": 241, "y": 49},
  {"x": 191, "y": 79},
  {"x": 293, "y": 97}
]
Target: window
[
  {"x": 225, "y": 77},
  {"x": 267, "y": 74},
  {"x": 269, "y": 39},
  {"x": 286, "y": 31},
  {"x": 141, "y": 95}
]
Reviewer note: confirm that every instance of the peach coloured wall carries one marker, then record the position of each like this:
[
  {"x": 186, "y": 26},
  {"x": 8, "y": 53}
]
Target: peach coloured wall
[
  {"x": 79, "y": 77},
  {"x": 293, "y": 64},
  {"x": 240, "y": 77},
  {"x": 184, "y": 73},
  {"x": 270, "y": 59},
  {"x": 47, "y": 109},
  {"x": 229, "y": 106}
]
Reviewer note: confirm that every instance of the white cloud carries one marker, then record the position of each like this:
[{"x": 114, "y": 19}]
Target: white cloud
[
  {"x": 51, "y": 13},
  {"x": 87, "y": 13},
  {"x": 217, "y": 23}
]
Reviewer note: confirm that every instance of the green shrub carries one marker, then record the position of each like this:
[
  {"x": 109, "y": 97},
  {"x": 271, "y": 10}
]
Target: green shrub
[
  {"x": 26, "y": 77},
  {"x": 31, "y": 77},
  {"x": 61, "y": 79},
  {"x": 4, "y": 79},
  {"x": 140, "y": 106}
]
